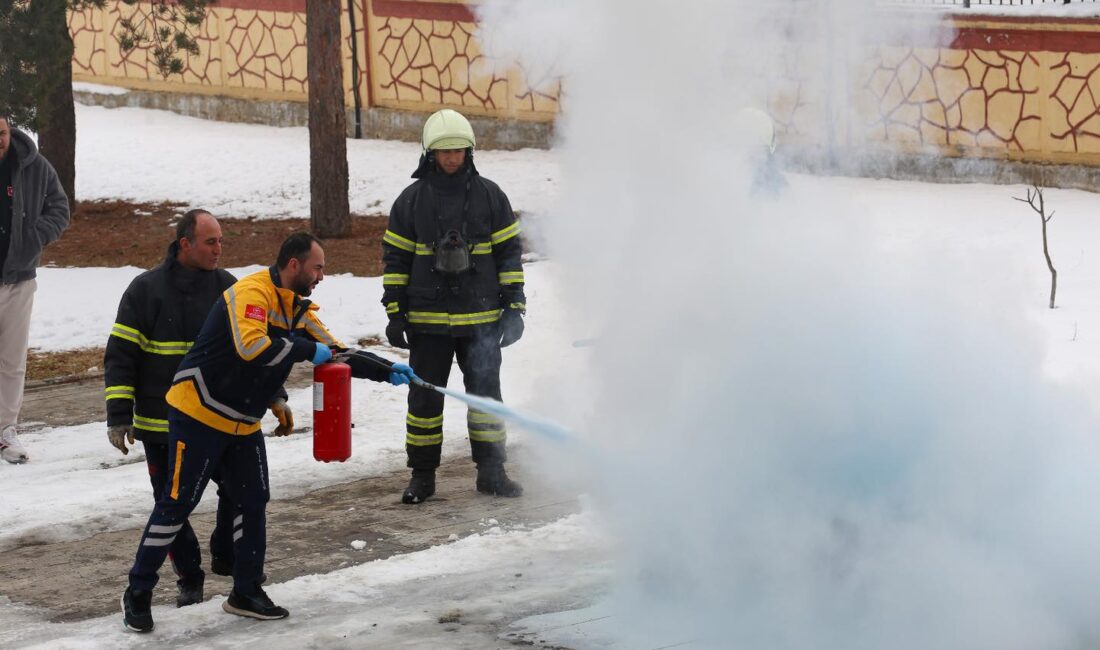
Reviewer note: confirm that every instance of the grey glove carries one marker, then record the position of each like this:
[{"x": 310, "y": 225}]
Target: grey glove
[
  {"x": 281, "y": 411},
  {"x": 119, "y": 435}
]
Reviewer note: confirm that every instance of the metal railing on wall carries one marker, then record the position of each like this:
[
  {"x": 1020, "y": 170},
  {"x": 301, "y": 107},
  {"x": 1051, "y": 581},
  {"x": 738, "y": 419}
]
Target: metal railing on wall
[{"x": 969, "y": 3}]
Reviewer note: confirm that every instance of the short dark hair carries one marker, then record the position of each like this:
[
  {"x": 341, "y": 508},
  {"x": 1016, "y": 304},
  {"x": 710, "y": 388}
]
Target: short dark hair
[
  {"x": 185, "y": 229},
  {"x": 296, "y": 247}
]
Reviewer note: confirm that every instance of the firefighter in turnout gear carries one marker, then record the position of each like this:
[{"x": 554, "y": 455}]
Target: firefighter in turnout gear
[
  {"x": 159, "y": 316},
  {"x": 453, "y": 289},
  {"x": 257, "y": 330}
]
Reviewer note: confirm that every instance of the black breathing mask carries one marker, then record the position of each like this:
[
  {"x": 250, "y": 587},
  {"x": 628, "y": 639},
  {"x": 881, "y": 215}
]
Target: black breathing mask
[{"x": 452, "y": 254}]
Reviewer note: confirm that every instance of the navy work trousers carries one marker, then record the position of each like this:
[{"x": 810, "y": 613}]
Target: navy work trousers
[
  {"x": 195, "y": 452},
  {"x": 184, "y": 550}
]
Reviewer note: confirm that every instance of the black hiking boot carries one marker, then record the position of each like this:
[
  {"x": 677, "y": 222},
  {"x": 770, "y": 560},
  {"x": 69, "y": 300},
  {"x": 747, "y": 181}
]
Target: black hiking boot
[
  {"x": 492, "y": 479},
  {"x": 421, "y": 486},
  {"x": 223, "y": 567},
  {"x": 255, "y": 605},
  {"x": 137, "y": 612},
  {"x": 190, "y": 591}
]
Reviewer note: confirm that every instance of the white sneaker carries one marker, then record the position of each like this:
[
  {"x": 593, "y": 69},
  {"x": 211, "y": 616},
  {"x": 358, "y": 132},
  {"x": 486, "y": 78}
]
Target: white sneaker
[{"x": 11, "y": 449}]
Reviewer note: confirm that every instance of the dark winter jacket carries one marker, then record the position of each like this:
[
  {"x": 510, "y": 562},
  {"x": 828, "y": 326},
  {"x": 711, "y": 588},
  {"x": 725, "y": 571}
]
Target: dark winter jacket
[
  {"x": 255, "y": 333},
  {"x": 432, "y": 302},
  {"x": 40, "y": 210},
  {"x": 159, "y": 317}
]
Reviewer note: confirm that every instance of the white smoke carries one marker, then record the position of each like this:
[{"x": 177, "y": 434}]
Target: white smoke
[{"x": 814, "y": 440}]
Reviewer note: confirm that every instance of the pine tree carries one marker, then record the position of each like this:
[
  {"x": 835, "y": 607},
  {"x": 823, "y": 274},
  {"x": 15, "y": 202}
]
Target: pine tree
[{"x": 36, "y": 51}]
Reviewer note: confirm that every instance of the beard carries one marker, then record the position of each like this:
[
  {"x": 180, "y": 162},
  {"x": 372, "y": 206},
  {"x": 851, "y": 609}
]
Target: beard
[{"x": 302, "y": 285}]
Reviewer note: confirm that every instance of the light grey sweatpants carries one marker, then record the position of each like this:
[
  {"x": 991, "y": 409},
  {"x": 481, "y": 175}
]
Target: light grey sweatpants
[{"x": 15, "y": 326}]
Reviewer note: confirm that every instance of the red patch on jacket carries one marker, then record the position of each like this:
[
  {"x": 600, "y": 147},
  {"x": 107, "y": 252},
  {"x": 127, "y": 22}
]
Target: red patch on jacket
[
  {"x": 255, "y": 312},
  {"x": 11, "y": 191}
]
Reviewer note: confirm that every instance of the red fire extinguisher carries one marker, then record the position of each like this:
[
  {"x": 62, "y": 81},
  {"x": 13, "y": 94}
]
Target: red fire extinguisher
[{"x": 332, "y": 412}]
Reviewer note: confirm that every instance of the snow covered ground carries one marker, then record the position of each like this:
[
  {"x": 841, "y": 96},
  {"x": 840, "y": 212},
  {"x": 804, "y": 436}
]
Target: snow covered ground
[
  {"x": 845, "y": 293},
  {"x": 185, "y": 159}
]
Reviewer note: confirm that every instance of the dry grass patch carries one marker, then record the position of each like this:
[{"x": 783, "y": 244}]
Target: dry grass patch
[{"x": 71, "y": 363}]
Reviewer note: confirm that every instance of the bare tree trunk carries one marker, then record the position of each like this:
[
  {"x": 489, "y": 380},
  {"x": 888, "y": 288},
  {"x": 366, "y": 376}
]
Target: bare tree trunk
[
  {"x": 1050, "y": 265},
  {"x": 328, "y": 150},
  {"x": 57, "y": 136}
]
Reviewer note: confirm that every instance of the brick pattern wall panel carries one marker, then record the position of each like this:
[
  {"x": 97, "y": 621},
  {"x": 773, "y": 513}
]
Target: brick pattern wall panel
[
  {"x": 424, "y": 54},
  {"x": 265, "y": 50},
  {"x": 968, "y": 98},
  {"x": 242, "y": 50}
]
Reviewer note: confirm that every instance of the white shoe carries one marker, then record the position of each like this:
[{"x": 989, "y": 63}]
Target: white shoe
[{"x": 11, "y": 449}]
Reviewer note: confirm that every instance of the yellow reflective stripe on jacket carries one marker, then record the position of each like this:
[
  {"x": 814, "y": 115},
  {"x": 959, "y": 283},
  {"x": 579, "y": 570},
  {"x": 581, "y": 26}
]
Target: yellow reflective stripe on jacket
[
  {"x": 504, "y": 234},
  {"x": 153, "y": 347},
  {"x": 510, "y": 277},
  {"x": 522, "y": 306},
  {"x": 423, "y": 423},
  {"x": 454, "y": 320},
  {"x": 317, "y": 330},
  {"x": 392, "y": 307},
  {"x": 417, "y": 440},
  {"x": 395, "y": 279},
  {"x": 150, "y": 424},
  {"x": 483, "y": 248},
  {"x": 249, "y": 336},
  {"x": 397, "y": 241},
  {"x": 127, "y": 333},
  {"x": 119, "y": 392}
]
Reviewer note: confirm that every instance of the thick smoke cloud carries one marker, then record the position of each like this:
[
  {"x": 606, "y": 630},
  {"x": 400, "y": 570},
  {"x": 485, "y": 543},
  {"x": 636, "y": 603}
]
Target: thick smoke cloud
[{"x": 814, "y": 437}]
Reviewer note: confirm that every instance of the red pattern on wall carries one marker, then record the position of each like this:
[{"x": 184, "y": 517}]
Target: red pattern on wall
[
  {"x": 942, "y": 97},
  {"x": 1075, "y": 102},
  {"x": 451, "y": 72},
  {"x": 429, "y": 53}
]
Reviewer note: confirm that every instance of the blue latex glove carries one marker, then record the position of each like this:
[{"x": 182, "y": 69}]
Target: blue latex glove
[
  {"x": 400, "y": 374},
  {"x": 322, "y": 354}
]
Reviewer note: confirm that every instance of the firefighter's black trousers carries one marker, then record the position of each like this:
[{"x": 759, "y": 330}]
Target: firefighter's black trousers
[
  {"x": 195, "y": 452},
  {"x": 479, "y": 359}
]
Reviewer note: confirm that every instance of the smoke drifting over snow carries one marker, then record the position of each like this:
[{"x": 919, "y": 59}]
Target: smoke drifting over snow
[{"x": 820, "y": 440}]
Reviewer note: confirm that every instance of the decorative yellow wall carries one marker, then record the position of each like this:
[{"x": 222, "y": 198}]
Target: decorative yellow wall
[
  {"x": 1019, "y": 89},
  {"x": 412, "y": 55},
  {"x": 1023, "y": 89}
]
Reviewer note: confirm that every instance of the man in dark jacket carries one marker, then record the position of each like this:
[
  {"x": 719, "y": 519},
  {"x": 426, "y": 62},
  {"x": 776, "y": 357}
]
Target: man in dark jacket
[
  {"x": 159, "y": 316},
  {"x": 33, "y": 212},
  {"x": 453, "y": 285},
  {"x": 259, "y": 328}
]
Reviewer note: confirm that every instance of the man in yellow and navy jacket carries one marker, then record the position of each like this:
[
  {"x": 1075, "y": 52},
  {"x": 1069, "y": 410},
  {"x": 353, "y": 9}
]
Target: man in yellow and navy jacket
[
  {"x": 453, "y": 285},
  {"x": 159, "y": 316},
  {"x": 259, "y": 328}
]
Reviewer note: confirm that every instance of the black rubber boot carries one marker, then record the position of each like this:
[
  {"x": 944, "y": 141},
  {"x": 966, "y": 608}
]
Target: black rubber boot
[
  {"x": 137, "y": 610},
  {"x": 492, "y": 479},
  {"x": 190, "y": 591},
  {"x": 421, "y": 486}
]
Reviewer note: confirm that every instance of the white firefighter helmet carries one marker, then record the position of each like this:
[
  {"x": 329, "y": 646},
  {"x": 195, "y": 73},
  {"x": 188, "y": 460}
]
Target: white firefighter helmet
[{"x": 447, "y": 129}]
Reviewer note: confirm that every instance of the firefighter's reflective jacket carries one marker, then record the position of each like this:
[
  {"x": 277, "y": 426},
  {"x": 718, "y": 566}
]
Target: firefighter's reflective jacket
[
  {"x": 435, "y": 302},
  {"x": 159, "y": 316},
  {"x": 254, "y": 334}
]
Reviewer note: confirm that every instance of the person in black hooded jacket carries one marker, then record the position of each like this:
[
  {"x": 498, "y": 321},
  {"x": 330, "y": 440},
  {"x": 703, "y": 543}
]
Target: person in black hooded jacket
[
  {"x": 159, "y": 316},
  {"x": 453, "y": 288}
]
